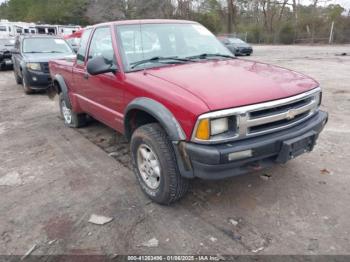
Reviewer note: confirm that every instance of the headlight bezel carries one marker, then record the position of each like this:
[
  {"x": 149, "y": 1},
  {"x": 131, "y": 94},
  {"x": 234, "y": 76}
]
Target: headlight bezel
[
  {"x": 232, "y": 129},
  {"x": 34, "y": 66}
]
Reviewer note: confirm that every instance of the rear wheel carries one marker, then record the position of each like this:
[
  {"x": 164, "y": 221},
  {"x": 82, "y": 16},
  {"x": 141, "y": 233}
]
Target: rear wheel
[
  {"x": 70, "y": 118},
  {"x": 155, "y": 165}
]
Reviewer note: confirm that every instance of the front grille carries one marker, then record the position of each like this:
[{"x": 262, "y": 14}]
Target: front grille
[
  {"x": 246, "y": 50},
  {"x": 279, "y": 109},
  {"x": 45, "y": 67},
  {"x": 280, "y": 114},
  {"x": 7, "y": 55},
  {"x": 276, "y": 124}
]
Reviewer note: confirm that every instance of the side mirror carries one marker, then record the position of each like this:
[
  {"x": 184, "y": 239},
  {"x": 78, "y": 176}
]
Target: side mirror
[
  {"x": 98, "y": 65},
  {"x": 14, "y": 51}
]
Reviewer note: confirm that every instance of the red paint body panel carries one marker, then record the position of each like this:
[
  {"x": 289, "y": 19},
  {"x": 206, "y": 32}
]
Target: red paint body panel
[
  {"x": 233, "y": 83},
  {"x": 186, "y": 90},
  {"x": 76, "y": 34}
]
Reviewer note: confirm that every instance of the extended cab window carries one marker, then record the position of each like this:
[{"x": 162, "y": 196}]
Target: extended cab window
[
  {"x": 83, "y": 46},
  {"x": 101, "y": 44}
]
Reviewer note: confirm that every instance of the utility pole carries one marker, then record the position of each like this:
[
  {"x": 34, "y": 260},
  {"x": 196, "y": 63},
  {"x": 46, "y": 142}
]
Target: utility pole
[{"x": 331, "y": 33}]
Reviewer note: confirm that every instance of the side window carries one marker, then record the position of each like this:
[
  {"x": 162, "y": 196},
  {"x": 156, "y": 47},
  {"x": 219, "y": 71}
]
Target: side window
[
  {"x": 83, "y": 46},
  {"x": 101, "y": 44}
]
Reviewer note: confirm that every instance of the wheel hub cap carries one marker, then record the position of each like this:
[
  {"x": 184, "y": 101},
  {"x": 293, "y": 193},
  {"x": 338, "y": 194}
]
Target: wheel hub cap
[
  {"x": 67, "y": 113},
  {"x": 148, "y": 166}
]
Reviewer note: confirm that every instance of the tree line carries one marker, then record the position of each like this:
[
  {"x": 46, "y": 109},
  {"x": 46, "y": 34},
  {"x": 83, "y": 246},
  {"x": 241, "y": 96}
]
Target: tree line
[{"x": 260, "y": 21}]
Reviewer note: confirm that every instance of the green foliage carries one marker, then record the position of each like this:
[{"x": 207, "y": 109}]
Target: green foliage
[
  {"x": 210, "y": 20},
  {"x": 46, "y": 11},
  {"x": 334, "y": 12},
  {"x": 208, "y": 14},
  {"x": 286, "y": 35}
]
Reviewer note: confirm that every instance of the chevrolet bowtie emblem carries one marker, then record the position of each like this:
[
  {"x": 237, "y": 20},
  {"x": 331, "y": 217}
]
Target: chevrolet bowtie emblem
[{"x": 291, "y": 114}]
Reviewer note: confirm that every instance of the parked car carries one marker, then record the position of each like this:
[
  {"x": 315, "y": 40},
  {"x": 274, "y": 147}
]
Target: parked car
[
  {"x": 74, "y": 39},
  {"x": 6, "y": 45},
  {"x": 31, "y": 57},
  {"x": 236, "y": 45},
  {"x": 188, "y": 110}
]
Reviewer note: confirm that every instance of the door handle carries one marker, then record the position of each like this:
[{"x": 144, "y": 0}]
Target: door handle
[{"x": 86, "y": 76}]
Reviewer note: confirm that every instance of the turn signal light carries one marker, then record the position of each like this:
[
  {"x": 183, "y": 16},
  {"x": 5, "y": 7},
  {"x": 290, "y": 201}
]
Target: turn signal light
[{"x": 203, "y": 130}]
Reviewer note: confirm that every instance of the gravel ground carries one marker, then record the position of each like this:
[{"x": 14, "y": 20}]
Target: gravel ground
[{"x": 53, "y": 178}]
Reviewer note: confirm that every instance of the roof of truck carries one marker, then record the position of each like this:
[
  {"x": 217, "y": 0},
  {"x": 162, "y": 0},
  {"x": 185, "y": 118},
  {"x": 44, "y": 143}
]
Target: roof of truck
[
  {"x": 29, "y": 36},
  {"x": 147, "y": 21}
]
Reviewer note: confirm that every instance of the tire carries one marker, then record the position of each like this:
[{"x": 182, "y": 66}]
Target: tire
[
  {"x": 71, "y": 119},
  {"x": 26, "y": 88},
  {"x": 17, "y": 78},
  {"x": 169, "y": 186}
]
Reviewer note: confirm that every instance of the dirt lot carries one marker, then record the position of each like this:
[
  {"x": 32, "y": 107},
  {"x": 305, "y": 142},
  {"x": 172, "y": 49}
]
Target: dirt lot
[{"x": 53, "y": 178}]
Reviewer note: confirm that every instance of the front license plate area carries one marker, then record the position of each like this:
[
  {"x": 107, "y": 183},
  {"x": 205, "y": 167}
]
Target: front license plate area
[{"x": 292, "y": 148}]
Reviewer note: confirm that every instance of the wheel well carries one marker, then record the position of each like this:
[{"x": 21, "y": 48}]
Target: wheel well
[
  {"x": 57, "y": 87},
  {"x": 136, "y": 118}
]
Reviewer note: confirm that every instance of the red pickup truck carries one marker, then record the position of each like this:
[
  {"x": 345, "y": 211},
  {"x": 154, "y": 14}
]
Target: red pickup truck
[{"x": 189, "y": 108}]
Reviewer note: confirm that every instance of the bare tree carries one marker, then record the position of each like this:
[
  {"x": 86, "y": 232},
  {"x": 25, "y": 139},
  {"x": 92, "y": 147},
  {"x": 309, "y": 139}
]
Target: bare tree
[{"x": 231, "y": 15}]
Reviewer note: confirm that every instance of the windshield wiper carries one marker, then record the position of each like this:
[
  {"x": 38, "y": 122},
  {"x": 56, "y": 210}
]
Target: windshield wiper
[
  {"x": 56, "y": 52},
  {"x": 206, "y": 55},
  {"x": 159, "y": 59}
]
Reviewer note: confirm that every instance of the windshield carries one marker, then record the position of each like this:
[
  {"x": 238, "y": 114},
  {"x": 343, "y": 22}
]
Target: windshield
[
  {"x": 236, "y": 41},
  {"x": 45, "y": 45},
  {"x": 7, "y": 42},
  {"x": 179, "y": 41}
]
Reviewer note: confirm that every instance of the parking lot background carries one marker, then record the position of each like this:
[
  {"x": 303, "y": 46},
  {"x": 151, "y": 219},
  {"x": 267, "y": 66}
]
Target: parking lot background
[{"x": 53, "y": 178}]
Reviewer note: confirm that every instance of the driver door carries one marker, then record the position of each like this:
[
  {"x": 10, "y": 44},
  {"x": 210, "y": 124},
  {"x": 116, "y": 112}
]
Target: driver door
[{"x": 105, "y": 92}]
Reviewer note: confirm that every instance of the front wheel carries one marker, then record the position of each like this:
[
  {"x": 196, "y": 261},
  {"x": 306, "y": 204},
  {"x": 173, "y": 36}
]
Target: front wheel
[
  {"x": 154, "y": 164},
  {"x": 71, "y": 119},
  {"x": 17, "y": 78},
  {"x": 26, "y": 87}
]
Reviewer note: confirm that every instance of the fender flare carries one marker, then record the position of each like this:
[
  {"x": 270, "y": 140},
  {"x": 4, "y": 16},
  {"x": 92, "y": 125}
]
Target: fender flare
[
  {"x": 160, "y": 113},
  {"x": 64, "y": 89}
]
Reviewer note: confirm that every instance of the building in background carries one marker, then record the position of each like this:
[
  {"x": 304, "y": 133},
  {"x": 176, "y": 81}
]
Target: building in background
[{"x": 11, "y": 29}]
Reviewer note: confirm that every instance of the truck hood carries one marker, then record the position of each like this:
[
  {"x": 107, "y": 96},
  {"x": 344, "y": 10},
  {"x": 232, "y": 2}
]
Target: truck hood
[
  {"x": 46, "y": 57},
  {"x": 232, "y": 83}
]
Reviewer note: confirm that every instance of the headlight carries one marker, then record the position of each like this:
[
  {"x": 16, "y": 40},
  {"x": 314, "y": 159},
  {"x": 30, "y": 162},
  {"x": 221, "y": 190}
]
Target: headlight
[
  {"x": 34, "y": 66},
  {"x": 218, "y": 126}
]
